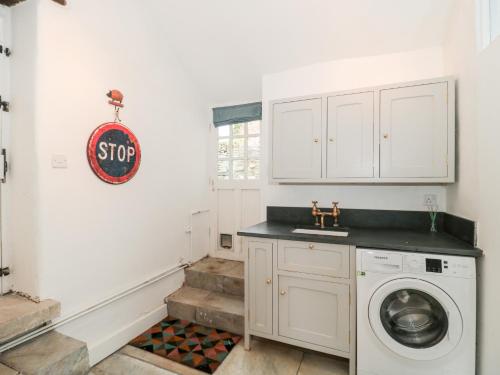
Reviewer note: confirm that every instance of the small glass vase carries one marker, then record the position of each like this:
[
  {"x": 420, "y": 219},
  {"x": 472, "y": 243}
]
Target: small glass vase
[{"x": 433, "y": 216}]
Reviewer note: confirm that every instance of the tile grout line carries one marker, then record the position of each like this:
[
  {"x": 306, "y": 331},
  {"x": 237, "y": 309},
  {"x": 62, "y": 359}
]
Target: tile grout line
[
  {"x": 300, "y": 364},
  {"x": 143, "y": 360}
]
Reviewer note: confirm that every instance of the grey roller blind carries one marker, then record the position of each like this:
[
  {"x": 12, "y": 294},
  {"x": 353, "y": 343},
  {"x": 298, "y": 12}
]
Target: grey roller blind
[{"x": 237, "y": 113}]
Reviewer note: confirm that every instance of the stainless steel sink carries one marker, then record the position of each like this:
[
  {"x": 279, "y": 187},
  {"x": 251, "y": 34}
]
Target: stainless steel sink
[{"x": 321, "y": 232}]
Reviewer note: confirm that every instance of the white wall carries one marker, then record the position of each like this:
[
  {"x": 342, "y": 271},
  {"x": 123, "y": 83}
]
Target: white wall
[
  {"x": 96, "y": 239},
  {"x": 477, "y": 192},
  {"x": 460, "y": 60},
  {"x": 489, "y": 207},
  {"x": 348, "y": 74}
]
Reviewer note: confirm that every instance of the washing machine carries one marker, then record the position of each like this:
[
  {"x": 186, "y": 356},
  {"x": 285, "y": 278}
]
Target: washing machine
[{"x": 416, "y": 313}]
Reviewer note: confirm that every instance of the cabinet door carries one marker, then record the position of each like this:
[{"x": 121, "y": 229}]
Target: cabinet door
[
  {"x": 350, "y": 129},
  {"x": 314, "y": 311},
  {"x": 414, "y": 131},
  {"x": 297, "y": 139},
  {"x": 261, "y": 286}
]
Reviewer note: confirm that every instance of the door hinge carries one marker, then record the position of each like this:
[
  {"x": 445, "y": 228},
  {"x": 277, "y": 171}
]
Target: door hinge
[
  {"x": 4, "y": 166},
  {"x": 4, "y": 105},
  {"x": 4, "y": 271},
  {"x": 5, "y": 50}
]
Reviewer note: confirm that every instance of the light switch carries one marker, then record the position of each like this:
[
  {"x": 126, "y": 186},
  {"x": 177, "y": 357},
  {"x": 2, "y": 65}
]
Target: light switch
[{"x": 59, "y": 161}]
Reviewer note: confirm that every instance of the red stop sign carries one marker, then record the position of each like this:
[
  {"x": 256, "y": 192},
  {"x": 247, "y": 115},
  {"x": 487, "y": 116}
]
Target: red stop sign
[{"x": 114, "y": 153}]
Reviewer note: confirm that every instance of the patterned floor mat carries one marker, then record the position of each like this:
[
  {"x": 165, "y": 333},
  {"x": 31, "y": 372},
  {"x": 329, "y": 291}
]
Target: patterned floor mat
[{"x": 188, "y": 343}]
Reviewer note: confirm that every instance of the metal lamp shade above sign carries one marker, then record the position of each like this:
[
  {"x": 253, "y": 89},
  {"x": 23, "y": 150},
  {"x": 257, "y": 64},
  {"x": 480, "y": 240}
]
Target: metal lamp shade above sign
[{"x": 114, "y": 153}]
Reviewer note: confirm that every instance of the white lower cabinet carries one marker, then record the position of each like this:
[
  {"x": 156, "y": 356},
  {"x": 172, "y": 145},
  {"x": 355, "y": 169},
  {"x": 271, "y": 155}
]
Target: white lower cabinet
[
  {"x": 299, "y": 293},
  {"x": 314, "y": 311}
]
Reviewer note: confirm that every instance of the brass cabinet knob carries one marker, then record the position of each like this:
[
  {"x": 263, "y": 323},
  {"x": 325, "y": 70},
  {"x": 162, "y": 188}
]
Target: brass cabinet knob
[
  {"x": 269, "y": 281},
  {"x": 283, "y": 292},
  {"x": 386, "y": 135},
  {"x": 331, "y": 140},
  {"x": 311, "y": 246},
  {"x": 316, "y": 140}
]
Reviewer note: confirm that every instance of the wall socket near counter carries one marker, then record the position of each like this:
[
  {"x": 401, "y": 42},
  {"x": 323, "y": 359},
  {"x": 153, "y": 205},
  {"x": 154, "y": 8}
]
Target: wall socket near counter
[{"x": 430, "y": 201}]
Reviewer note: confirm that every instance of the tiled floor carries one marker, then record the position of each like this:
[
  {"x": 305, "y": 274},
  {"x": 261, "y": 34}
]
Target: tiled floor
[{"x": 265, "y": 358}]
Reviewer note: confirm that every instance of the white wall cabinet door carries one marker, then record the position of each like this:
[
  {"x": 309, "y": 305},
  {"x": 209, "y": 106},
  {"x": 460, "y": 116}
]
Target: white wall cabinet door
[
  {"x": 297, "y": 139},
  {"x": 314, "y": 311},
  {"x": 261, "y": 286},
  {"x": 350, "y": 128},
  {"x": 414, "y": 131}
]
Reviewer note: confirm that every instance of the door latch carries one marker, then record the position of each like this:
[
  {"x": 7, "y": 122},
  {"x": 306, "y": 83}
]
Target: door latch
[
  {"x": 5, "y": 50},
  {"x": 4, "y": 105},
  {"x": 3, "y": 166},
  {"x": 4, "y": 271}
]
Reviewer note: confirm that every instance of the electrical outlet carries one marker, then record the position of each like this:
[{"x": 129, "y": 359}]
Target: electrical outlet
[{"x": 430, "y": 200}]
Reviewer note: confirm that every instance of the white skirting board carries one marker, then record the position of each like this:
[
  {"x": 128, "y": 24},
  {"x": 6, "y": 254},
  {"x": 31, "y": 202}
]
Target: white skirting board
[
  {"x": 108, "y": 329},
  {"x": 110, "y": 344}
]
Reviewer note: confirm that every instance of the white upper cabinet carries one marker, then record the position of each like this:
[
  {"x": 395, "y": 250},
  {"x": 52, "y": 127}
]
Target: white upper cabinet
[
  {"x": 350, "y": 129},
  {"x": 399, "y": 133},
  {"x": 297, "y": 139},
  {"x": 414, "y": 131}
]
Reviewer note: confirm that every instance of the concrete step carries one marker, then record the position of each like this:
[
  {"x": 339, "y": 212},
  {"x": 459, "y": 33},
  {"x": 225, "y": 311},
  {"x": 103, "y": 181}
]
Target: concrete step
[
  {"x": 211, "y": 309},
  {"x": 19, "y": 315},
  {"x": 49, "y": 354},
  {"x": 217, "y": 275}
]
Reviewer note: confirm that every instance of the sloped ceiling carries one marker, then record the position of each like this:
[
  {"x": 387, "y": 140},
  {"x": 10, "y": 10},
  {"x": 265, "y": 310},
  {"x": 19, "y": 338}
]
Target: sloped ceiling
[{"x": 227, "y": 45}]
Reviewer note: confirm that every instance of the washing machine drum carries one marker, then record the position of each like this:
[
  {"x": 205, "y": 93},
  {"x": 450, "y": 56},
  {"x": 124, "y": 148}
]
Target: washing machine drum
[{"x": 415, "y": 319}]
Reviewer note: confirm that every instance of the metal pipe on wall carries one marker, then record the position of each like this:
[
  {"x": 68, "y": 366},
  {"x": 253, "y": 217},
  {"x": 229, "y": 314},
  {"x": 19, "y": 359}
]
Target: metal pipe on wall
[{"x": 65, "y": 320}]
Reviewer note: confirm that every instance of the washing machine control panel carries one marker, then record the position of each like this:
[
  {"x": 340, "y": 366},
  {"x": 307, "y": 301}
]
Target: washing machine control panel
[
  {"x": 434, "y": 265},
  {"x": 439, "y": 265}
]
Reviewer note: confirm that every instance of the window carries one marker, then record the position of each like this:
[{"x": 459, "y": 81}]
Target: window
[
  {"x": 489, "y": 21},
  {"x": 238, "y": 151},
  {"x": 494, "y": 19}
]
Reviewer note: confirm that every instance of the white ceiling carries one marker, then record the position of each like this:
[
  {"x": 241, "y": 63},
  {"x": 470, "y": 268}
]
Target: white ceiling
[{"x": 227, "y": 45}]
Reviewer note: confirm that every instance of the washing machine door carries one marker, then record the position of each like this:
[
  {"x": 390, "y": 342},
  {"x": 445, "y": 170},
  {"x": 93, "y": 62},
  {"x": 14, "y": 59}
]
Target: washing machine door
[{"x": 415, "y": 319}]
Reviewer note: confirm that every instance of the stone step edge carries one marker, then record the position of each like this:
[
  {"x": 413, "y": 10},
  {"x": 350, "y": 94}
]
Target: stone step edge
[
  {"x": 28, "y": 321},
  {"x": 177, "y": 297},
  {"x": 201, "y": 315},
  {"x": 192, "y": 304},
  {"x": 230, "y": 285},
  {"x": 53, "y": 352}
]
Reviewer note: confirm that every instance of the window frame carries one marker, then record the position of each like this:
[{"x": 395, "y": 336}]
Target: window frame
[
  {"x": 484, "y": 24},
  {"x": 245, "y": 157}
]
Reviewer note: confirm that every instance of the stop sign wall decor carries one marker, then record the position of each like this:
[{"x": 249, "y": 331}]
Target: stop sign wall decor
[{"x": 114, "y": 153}]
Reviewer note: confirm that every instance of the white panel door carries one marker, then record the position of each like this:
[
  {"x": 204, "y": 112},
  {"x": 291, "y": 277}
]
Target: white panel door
[
  {"x": 350, "y": 128},
  {"x": 200, "y": 235},
  {"x": 236, "y": 208},
  {"x": 5, "y": 255},
  {"x": 260, "y": 257},
  {"x": 297, "y": 139},
  {"x": 314, "y": 311},
  {"x": 414, "y": 131}
]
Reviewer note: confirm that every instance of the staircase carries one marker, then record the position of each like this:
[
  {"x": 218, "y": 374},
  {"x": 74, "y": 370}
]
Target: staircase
[
  {"x": 52, "y": 353},
  {"x": 212, "y": 295}
]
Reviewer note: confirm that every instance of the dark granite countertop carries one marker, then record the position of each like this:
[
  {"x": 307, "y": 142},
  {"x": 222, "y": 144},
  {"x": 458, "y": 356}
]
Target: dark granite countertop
[{"x": 389, "y": 239}]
